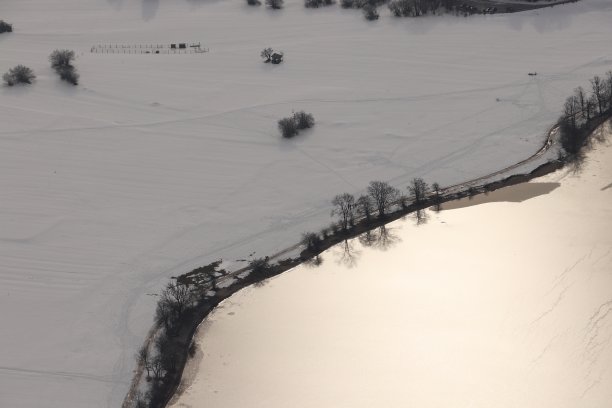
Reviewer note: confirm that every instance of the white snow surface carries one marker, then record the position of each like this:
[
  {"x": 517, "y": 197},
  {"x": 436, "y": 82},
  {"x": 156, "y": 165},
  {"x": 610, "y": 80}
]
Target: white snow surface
[{"x": 156, "y": 164}]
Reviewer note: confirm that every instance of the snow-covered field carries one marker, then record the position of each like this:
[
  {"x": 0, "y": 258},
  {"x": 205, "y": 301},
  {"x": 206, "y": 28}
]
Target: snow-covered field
[
  {"x": 156, "y": 164},
  {"x": 504, "y": 304}
]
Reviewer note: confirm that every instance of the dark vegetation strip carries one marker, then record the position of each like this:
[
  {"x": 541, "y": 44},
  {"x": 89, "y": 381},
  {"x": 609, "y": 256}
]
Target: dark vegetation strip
[{"x": 186, "y": 301}]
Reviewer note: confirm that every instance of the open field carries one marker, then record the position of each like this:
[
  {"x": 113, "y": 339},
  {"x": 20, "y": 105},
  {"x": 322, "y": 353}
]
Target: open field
[{"x": 156, "y": 164}]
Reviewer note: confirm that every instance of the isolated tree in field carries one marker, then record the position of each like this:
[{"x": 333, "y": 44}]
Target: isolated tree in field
[
  {"x": 287, "y": 127},
  {"x": 266, "y": 54},
  {"x": 364, "y": 207},
  {"x": 344, "y": 208},
  {"x": 418, "y": 189},
  {"x": 599, "y": 92},
  {"x": 5, "y": 27},
  {"x": 61, "y": 62},
  {"x": 303, "y": 120},
  {"x": 61, "y": 58},
  {"x": 275, "y": 4},
  {"x": 19, "y": 75},
  {"x": 383, "y": 195},
  {"x": 277, "y": 57}
]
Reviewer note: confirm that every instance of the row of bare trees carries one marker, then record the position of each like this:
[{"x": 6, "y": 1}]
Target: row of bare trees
[
  {"x": 379, "y": 200},
  {"x": 159, "y": 359},
  {"x": 581, "y": 110}
]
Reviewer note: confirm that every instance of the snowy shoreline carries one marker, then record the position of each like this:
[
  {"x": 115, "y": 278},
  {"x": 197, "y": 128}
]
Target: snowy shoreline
[
  {"x": 470, "y": 188},
  {"x": 494, "y": 324}
]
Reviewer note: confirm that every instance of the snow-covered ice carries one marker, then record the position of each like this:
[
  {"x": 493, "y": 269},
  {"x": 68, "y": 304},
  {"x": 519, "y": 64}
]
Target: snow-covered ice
[
  {"x": 156, "y": 164},
  {"x": 504, "y": 304}
]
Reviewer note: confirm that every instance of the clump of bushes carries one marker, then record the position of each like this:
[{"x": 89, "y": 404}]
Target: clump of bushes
[
  {"x": 269, "y": 55},
  {"x": 360, "y": 4},
  {"x": 287, "y": 127},
  {"x": 260, "y": 267},
  {"x": 61, "y": 62},
  {"x": 317, "y": 3},
  {"x": 303, "y": 120},
  {"x": 401, "y": 8},
  {"x": 275, "y": 4},
  {"x": 291, "y": 126},
  {"x": 5, "y": 27},
  {"x": 253, "y": 2},
  {"x": 19, "y": 75},
  {"x": 370, "y": 13}
]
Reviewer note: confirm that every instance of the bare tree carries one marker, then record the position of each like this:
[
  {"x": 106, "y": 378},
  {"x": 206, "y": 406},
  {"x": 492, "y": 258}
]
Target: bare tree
[
  {"x": 303, "y": 120},
  {"x": 266, "y": 54},
  {"x": 311, "y": 241},
  {"x": 19, "y": 74},
  {"x": 383, "y": 195},
  {"x": 163, "y": 315},
  {"x": 61, "y": 58},
  {"x": 178, "y": 296},
  {"x": 570, "y": 110},
  {"x": 599, "y": 92},
  {"x": 142, "y": 358},
  {"x": 364, "y": 207},
  {"x": 437, "y": 197},
  {"x": 287, "y": 127},
  {"x": 419, "y": 189},
  {"x": 61, "y": 62},
  {"x": 157, "y": 367},
  {"x": 344, "y": 208},
  {"x": 582, "y": 98}
]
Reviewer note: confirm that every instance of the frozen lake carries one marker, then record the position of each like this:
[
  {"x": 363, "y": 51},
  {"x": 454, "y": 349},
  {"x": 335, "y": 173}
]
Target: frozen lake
[{"x": 506, "y": 303}]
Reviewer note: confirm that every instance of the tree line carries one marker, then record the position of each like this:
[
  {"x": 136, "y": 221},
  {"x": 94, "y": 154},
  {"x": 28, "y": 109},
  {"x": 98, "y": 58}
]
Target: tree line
[
  {"x": 581, "y": 112},
  {"x": 378, "y": 202}
]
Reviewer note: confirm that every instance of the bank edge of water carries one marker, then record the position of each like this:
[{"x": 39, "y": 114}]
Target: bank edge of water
[{"x": 188, "y": 326}]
